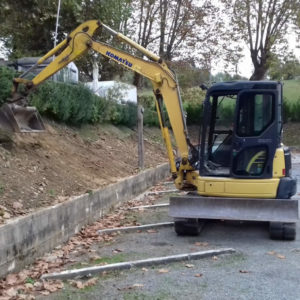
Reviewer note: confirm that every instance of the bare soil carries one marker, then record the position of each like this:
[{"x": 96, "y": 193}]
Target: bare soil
[{"x": 38, "y": 170}]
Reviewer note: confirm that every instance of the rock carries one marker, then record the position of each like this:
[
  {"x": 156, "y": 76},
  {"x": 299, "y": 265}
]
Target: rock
[
  {"x": 17, "y": 205},
  {"x": 6, "y": 215}
]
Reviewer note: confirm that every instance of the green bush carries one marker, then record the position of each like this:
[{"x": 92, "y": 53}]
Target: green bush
[
  {"x": 192, "y": 99},
  {"x": 76, "y": 105},
  {"x": 6, "y": 83},
  {"x": 291, "y": 110},
  {"x": 73, "y": 104},
  {"x": 150, "y": 117}
]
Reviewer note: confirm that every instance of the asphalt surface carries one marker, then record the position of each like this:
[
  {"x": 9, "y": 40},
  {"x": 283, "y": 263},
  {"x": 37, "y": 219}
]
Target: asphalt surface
[{"x": 260, "y": 269}]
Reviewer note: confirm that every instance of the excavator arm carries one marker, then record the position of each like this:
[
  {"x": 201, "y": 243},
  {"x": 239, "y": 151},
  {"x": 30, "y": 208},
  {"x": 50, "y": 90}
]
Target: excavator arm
[{"x": 164, "y": 83}]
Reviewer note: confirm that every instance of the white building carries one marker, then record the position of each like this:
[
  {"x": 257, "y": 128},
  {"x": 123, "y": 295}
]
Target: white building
[{"x": 114, "y": 90}]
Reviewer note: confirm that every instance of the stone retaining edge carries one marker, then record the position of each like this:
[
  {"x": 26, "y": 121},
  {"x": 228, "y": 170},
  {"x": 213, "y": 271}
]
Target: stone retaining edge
[{"x": 26, "y": 238}]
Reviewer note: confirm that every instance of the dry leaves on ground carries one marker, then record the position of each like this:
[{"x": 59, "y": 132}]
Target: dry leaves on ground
[
  {"x": 27, "y": 281},
  {"x": 162, "y": 271},
  {"x": 189, "y": 266},
  {"x": 81, "y": 285},
  {"x": 278, "y": 255},
  {"x": 198, "y": 275},
  {"x": 152, "y": 231}
]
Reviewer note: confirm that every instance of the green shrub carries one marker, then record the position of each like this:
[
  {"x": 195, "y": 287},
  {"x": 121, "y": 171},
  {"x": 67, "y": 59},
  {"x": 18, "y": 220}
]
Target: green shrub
[
  {"x": 76, "y": 105},
  {"x": 6, "y": 83},
  {"x": 291, "y": 110},
  {"x": 73, "y": 104},
  {"x": 192, "y": 99},
  {"x": 147, "y": 100},
  {"x": 150, "y": 117}
]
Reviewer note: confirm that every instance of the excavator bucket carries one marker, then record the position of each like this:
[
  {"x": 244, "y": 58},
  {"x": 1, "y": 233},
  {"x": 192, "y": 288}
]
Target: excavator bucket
[
  {"x": 270, "y": 210},
  {"x": 17, "y": 118}
]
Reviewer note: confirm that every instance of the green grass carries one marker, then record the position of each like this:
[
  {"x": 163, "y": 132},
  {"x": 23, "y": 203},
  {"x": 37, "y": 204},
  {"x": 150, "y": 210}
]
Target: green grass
[
  {"x": 291, "y": 90},
  {"x": 232, "y": 260},
  {"x": 107, "y": 259},
  {"x": 111, "y": 259}
]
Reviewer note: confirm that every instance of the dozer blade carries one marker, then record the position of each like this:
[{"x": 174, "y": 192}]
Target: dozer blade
[
  {"x": 17, "y": 118},
  {"x": 197, "y": 207}
]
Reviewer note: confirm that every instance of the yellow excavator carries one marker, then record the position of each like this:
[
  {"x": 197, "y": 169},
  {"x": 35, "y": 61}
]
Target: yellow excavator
[{"x": 240, "y": 170}]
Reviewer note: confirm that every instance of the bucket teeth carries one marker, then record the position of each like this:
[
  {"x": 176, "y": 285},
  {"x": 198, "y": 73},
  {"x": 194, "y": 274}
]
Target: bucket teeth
[{"x": 18, "y": 118}]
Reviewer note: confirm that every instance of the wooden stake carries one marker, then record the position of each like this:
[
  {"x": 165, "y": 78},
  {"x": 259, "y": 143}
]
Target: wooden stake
[{"x": 140, "y": 114}]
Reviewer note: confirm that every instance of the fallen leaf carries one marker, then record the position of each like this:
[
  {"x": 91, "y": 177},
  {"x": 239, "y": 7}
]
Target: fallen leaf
[
  {"x": 78, "y": 284},
  {"x": 271, "y": 253},
  {"x": 45, "y": 293},
  {"x": 96, "y": 257},
  {"x": 137, "y": 285},
  {"x": 198, "y": 275},
  {"x": 163, "y": 271},
  {"x": 214, "y": 258},
  {"x": 11, "y": 279},
  {"x": 189, "y": 266},
  {"x": 12, "y": 292},
  {"x": 280, "y": 256},
  {"x": 91, "y": 282},
  {"x": 201, "y": 244},
  {"x": 6, "y": 215},
  {"x": 29, "y": 286},
  {"x": 244, "y": 271},
  {"x": 152, "y": 231},
  {"x": 23, "y": 275},
  {"x": 117, "y": 251},
  {"x": 53, "y": 286}
]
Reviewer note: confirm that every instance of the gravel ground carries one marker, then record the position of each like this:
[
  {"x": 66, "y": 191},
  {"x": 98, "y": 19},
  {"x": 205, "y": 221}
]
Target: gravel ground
[{"x": 260, "y": 269}]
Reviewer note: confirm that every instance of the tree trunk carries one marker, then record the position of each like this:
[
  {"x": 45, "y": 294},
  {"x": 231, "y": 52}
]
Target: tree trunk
[
  {"x": 259, "y": 73},
  {"x": 137, "y": 80}
]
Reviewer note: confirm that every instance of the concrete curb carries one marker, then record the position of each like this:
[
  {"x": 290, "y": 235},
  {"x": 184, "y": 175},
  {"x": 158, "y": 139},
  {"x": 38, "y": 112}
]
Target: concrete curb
[
  {"x": 24, "y": 239},
  {"x": 86, "y": 272},
  {"x": 135, "y": 228}
]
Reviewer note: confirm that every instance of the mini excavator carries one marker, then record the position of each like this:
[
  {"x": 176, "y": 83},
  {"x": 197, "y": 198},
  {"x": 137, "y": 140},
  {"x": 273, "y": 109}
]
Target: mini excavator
[{"x": 240, "y": 171}]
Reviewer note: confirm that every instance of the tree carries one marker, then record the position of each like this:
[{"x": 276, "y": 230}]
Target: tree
[
  {"x": 286, "y": 68},
  {"x": 27, "y": 26},
  {"x": 263, "y": 25},
  {"x": 177, "y": 30},
  {"x": 184, "y": 24}
]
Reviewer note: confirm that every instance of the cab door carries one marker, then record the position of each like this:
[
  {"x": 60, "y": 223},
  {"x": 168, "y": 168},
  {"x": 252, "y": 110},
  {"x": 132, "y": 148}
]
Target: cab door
[{"x": 255, "y": 136}]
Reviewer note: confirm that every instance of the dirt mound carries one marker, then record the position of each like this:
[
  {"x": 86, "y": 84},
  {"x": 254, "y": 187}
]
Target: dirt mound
[{"x": 43, "y": 169}]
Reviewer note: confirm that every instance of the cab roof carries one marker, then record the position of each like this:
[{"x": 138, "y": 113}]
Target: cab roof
[{"x": 236, "y": 86}]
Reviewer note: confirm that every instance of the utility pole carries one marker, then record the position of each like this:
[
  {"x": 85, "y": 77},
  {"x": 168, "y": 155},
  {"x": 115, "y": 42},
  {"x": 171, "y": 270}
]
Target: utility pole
[
  {"x": 140, "y": 115},
  {"x": 57, "y": 23},
  {"x": 56, "y": 30}
]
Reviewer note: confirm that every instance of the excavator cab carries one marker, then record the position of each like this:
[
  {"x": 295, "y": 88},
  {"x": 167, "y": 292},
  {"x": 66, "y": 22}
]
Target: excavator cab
[
  {"x": 244, "y": 169},
  {"x": 242, "y": 129}
]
